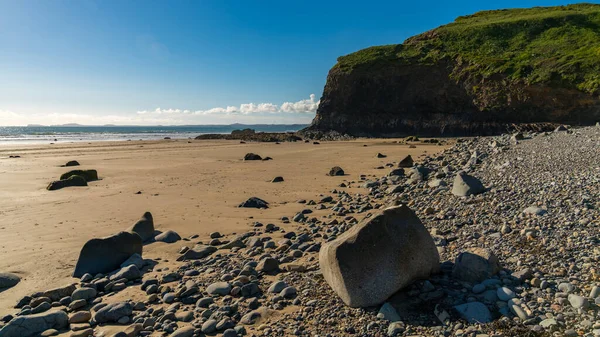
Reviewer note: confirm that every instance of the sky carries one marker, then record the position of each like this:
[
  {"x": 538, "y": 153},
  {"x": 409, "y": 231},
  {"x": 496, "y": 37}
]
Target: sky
[{"x": 192, "y": 62}]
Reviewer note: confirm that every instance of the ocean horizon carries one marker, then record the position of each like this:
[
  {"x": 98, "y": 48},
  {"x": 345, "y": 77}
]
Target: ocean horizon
[{"x": 40, "y": 134}]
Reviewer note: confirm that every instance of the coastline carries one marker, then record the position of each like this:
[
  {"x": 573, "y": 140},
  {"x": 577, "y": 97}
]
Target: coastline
[{"x": 190, "y": 186}]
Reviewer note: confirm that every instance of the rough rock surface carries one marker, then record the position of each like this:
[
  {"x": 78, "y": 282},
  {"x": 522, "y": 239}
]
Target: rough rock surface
[
  {"x": 106, "y": 254},
  {"x": 33, "y": 325},
  {"x": 69, "y": 182},
  {"x": 378, "y": 257}
]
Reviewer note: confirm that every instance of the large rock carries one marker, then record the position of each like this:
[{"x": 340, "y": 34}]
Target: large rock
[
  {"x": 252, "y": 156},
  {"x": 474, "y": 312},
  {"x": 144, "y": 227},
  {"x": 88, "y": 175},
  {"x": 465, "y": 185},
  {"x": 8, "y": 280},
  {"x": 475, "y": 265},
  {"x": 336, "y": 171},
  {"x": 168, "y": 237},
  {"x": 33, "y": 325},
  {"x": 406, "y": 162},
  {"x": 57, "y": 293},
  {"x": 69, "y": 182},
  {"x": 106, "y": 254},
  {"x": 254, "y": 202},
  {"x": 378, "y": 257},
  {"x": 113, "y": 312}
]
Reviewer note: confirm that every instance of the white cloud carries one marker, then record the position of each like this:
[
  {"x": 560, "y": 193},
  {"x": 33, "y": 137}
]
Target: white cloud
[{"x": 289, "y": 112}]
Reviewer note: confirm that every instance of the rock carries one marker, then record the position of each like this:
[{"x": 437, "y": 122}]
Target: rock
[
  {"x": 69, "y": 182},
  {"x": 475, "y": 265},
  {"x": 113, "y": 312},
  {"x": 381, "y": 155},
  {"x": 144, "y": 227},
  {"x": 168, "y": 237},
  {"x": 72, "y": 163},
  {"x": 395, "y": 329},
  {"x": 277, "y": 287},
  {"x": 252, "y": 156},
  {"x": 106, "y": 254},
  {"x": 277, "y": 180},
  {"x": 198, "y": 252},
  {"x": 8, "y": 280},
  {"x": 406, "y": 162},
  {"x": 578, "y": 301},
  {"x": 184, "y": 332},
  {"x": 32, "y": 325},
  {"x": 465, "y": 185},
  {"x": 505, "y": 294},
  {"x": 83, "y": 294},
  {"x": 388, "y": 312},
  {"x": 254, "y": 202},
  {"x": 135, "y": 260},
  {"x": 83, "y": 333},
  {"x": 80, "y": 317},
  {"x": 57, "y": 293},
  {"x": 250, "y": 318},
  {"x": 378, "y": 257},
  {"x": 219, "y": 288},
  {"x": 130, "y": 273},
  {"x": 534, "y": 210},
  {"x": 336, "y": 171},
  {"x": 474, "y": 312},
  {"x": 268, "y": 265},
  {"x": 88, "y": 175}
]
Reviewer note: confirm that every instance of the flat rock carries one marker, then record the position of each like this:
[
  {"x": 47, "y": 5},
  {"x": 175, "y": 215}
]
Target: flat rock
[
  {"x": 33, "y": 325},
  {"x": 378, "y": 257},
  {"x": 106, "y": 254}
]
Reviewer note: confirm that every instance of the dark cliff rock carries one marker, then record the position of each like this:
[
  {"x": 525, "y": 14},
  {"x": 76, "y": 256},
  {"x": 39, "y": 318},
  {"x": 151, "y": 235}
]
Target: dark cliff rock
[{"x": 470, "y": 77}]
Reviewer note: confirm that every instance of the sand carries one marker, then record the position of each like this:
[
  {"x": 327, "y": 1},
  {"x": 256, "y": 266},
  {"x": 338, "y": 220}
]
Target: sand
[{"x": 192, "y": 187}]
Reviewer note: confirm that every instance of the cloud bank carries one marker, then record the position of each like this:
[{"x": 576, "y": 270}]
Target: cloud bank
[
  {"x": 306, "y": 106},
  {"x": 300, "y": 112}
]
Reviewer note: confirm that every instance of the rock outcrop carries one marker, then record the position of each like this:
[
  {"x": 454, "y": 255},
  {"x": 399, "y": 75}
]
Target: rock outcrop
[
  {"x": 479, "y": 75},
  {"x": 106, "y": 254},
  {"x": 378, "y": 257}
]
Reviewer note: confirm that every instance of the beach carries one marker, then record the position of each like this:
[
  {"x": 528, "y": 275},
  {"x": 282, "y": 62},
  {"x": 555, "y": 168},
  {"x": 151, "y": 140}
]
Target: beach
[{"x": 192, "y": 187}]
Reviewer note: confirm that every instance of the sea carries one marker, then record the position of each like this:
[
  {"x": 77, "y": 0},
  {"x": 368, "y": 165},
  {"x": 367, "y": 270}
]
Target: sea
[{"x": 35, "y": 134}]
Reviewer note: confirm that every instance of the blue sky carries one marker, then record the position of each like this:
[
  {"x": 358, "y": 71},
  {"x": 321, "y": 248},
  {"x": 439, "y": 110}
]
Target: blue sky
[{"x": 192, "y": 62}]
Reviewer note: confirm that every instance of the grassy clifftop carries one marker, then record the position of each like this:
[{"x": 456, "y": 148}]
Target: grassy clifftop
[{"x": 557, "y": 46}]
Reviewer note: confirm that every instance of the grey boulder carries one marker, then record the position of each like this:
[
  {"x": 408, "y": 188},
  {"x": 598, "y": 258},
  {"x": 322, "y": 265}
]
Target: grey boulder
[
  {"x": 465, "y": 185},
  {"x": 475, "y": 265},
  {"x": 8, "y": 280},
  {"x": 196, "y": 253},
  {"x": 168, "y": 237},
  {"x": 474, "y": 312},
  {"x": 378, "y": 257},
  {"x": 113, "y": 312},
  {"x": 106, "y": 254},
  {"x": 33, "y": 325},
  {"x": 144, "y": 227}
]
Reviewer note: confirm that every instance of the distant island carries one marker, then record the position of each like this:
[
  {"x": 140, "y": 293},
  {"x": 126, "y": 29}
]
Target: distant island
[{"x": 478, "y": 75}]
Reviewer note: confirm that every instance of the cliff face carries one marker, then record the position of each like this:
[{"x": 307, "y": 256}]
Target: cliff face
[{"x": 445, "y": 82}]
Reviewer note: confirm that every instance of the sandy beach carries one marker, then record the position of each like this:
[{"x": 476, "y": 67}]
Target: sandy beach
[{"x": 191, "y": 187}]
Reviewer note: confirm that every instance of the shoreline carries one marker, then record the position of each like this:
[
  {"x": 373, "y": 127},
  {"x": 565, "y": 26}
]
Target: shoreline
[{"x": 191, "y": 187}]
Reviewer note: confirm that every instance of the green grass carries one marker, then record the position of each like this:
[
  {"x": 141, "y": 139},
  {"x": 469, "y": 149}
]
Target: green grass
[{"x": 551, "y": 45}]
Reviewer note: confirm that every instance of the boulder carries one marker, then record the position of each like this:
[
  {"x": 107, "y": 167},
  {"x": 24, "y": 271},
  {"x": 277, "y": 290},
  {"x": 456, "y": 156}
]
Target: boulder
[
  {"x": 277, "y": 180},
  {"x": 465, "y": 185},
  {"x": 33, "y": 325},
  {"x": 106, "y": 254},
  {"x": 406, "y": 162},
  {"x": 69, "y": 182},
  {"x": 252, "y": 156},
  {"x": 130, "y": 273},
  {"x": 88, "y": 175},
  {"x": 168, "y": 237},
  {"x": 254, "y": 202},
  {"x": 72, "y": 163},
  {"x": 475, "y": 265},
  {"x": 8, "y": 280},
  {"x": 198, "y": 252},
  {"x": 57, "y": 293},
  {"x": 378, "y": 257},
  {"x": 113, "y": 312},
  {"x": 336, "y": 171},
  {"x": 144, "y": 227},
  {"x": 474, "y": 312},
  {"x": 135, "y": 259}
]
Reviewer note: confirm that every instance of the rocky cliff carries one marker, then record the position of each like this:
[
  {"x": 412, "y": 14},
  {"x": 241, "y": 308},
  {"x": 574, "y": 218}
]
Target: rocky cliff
[{"x": 475, "y": 76}]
